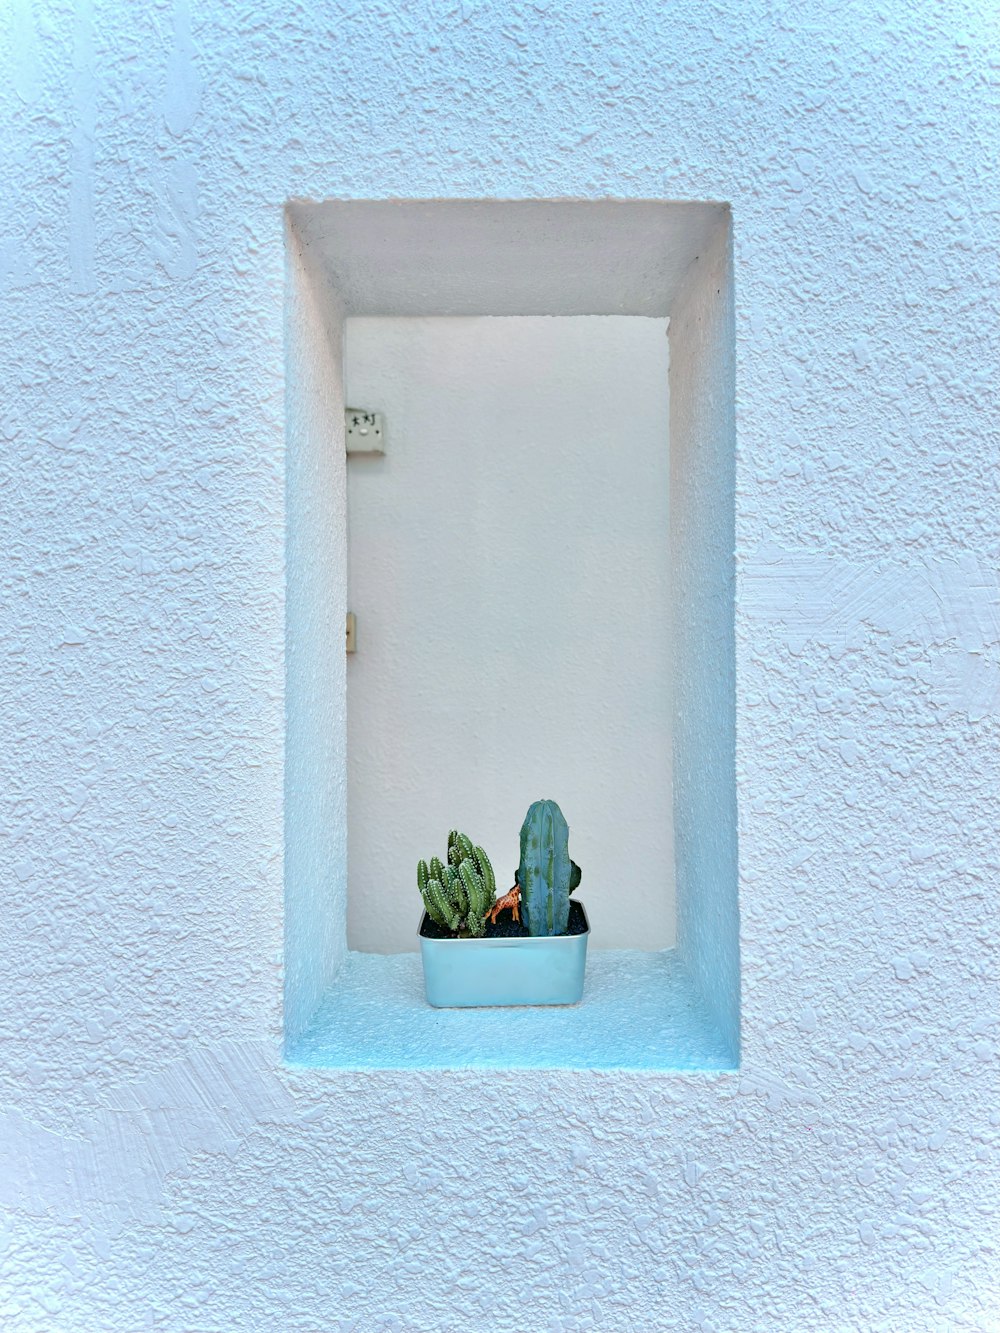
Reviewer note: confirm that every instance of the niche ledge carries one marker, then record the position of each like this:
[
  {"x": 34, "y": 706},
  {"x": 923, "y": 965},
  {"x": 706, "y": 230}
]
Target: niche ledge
[
  {"x": 677, "y": 1010},
  {"x": 640, "y": 1011}
]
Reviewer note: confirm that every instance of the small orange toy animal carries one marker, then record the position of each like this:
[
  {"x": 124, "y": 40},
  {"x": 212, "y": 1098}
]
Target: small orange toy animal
[{"x": 511, "y": 899}]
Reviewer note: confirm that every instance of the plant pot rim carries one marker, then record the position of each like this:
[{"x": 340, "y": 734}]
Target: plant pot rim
[{"x": 505, "y": 940}]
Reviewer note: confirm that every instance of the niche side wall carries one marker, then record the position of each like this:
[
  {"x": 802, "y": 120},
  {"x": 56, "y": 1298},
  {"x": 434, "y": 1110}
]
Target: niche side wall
[
  {"x": 315, "y": 897},
  {"x": 702, "y": 538}
]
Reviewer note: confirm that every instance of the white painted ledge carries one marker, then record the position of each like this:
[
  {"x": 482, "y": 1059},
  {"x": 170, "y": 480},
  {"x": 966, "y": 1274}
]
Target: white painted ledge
[{"x": 639, "y": 1012}]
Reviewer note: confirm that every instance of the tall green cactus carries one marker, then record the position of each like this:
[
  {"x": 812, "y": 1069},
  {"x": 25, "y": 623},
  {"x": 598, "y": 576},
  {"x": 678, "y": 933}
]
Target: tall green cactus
[
  {"x": 458, "y": 895},
  {"x": 546, "y": 874}
]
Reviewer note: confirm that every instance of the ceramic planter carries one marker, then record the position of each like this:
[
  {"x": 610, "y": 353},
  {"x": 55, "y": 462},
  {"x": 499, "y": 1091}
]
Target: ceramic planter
[{"x": 541, "y": 969}]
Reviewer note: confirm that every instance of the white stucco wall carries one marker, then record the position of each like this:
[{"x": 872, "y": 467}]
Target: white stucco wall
[{"x": 161, "y": 1169}]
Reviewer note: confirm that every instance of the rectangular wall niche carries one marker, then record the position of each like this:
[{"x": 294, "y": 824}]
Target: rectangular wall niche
[{"x": 541, "y": 565}]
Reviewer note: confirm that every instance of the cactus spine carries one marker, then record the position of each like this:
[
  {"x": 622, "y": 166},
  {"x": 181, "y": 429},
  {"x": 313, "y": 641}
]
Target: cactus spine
[
  {"x": 458, "y": 895},
  {"x": 546, "y": 874}
]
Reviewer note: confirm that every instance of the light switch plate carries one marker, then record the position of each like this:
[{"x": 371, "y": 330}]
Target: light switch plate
[{"x": 365, "y": 431}]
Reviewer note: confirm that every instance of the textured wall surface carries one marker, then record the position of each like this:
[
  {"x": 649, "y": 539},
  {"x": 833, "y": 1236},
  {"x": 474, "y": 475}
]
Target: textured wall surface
[{"x": 160, "y": 1169}]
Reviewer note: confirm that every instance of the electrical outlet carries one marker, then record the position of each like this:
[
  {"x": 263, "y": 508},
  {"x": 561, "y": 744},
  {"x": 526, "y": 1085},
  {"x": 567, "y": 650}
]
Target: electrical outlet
[{"x": 365, "y": 431}]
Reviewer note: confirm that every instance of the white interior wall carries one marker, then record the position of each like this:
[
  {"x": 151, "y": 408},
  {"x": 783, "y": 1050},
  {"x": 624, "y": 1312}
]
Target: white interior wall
[{"x": 509, "y": 568}]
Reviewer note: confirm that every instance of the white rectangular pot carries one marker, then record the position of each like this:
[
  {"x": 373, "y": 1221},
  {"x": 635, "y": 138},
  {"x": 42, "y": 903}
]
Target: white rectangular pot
[{"x": 538, "y": 969}]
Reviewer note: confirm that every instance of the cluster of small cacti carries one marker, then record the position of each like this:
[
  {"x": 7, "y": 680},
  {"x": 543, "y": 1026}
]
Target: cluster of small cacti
[
  {"x": 459, "y": 892},
  {"x": 546, "y": 875}
]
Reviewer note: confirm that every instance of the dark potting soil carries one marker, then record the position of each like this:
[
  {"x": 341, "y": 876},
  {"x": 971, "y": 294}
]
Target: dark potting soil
[{"x": 506, "y": 927}]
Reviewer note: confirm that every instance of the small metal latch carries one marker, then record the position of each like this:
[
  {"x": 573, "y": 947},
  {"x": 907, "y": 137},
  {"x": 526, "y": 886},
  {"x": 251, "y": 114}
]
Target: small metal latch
[
  {"x": 352, "y": 633},
  {"x": 365, "y": 431}
]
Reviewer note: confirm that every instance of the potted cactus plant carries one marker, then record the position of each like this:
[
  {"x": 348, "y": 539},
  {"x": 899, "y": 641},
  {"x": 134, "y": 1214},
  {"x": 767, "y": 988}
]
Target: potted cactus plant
[{"x": 471, "y": 956}]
